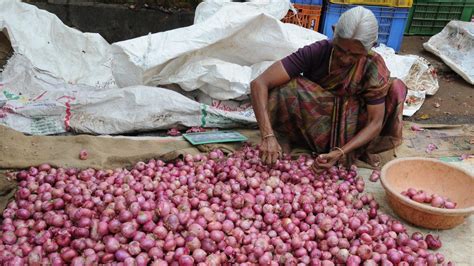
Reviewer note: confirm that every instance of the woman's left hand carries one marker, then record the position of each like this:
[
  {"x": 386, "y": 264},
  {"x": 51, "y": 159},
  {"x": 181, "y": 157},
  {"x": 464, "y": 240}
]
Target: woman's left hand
[{"x": 325, "y": 161}]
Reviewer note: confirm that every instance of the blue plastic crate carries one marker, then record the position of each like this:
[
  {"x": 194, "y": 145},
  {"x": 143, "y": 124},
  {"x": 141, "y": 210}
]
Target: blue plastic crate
[
  {"x": 308, "y": 2},
  {"x": 391, "y": 21}
]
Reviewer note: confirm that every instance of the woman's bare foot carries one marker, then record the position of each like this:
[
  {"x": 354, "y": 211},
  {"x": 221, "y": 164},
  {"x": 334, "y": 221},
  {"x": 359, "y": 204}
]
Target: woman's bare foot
[
  {"x": 286, "y": 147},
  {"x": 373, "y": 160}
]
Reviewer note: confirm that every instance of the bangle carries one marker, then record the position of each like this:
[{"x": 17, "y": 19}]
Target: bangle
[
  {"x": 268, "y": 136},
  {"x": 339, "y": 149}
]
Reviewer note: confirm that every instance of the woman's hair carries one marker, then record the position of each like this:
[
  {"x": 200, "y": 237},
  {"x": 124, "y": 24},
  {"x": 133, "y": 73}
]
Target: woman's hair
[{"x": 360, "y": 24}]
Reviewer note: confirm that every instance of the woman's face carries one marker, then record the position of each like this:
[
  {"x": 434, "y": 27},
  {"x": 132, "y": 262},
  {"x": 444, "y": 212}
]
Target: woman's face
[{"x": 347, "y": 52}]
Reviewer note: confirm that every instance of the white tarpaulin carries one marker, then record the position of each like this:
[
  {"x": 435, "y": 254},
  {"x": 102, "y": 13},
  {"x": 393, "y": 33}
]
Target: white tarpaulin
[
  {"x": 416, "y": 72},
  {"x": 60, "y": 79},
  {"x": 274, "y": 8},
  {"x": 455, "y": 46},
  {"x": 219, "y": 55},
  {"x": 58, "y": 107},
  {"x": 54, "y": 49}
]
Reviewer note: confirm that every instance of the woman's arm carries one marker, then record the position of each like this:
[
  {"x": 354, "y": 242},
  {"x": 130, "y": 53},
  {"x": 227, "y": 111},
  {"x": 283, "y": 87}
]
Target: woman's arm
[
  {"x": 369, "y": 132},
  {"x": 274, "y": 76}
]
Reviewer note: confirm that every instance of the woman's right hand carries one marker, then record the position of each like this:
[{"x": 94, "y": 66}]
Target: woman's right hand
[
  {"x": 270, "y": 150},
  {"x": 274, "y": 76}
]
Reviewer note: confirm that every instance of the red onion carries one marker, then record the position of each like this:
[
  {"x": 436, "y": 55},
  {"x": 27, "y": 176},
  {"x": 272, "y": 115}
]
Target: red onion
[
  {"x": 80, "y": 232},
  {"x": 125, "y": 216},
  {"x": 417, "y": 236},
  {"x": 63, "y": 238},
  {"x": 422, "y": 244},
  {"x": 78, "y": 261},
  {"x": 192, "y": 243},
  {"x": 394, "y": 256},
  {"x": 84, "y": 222},
  {"x": 172, "y": 222},
  {"x": 9, "y": 238},
  {"x": 449, "y": 205},
  {"x": 50, "y": 246},
  {"x": 354, "y": 223},
  {"x": 374, "y": 177},
  {"x": 439, "y": 257},
  {"x": 169, "y": 245},
  {"x": 353, "y": 260},
  {"x": 437, "y": 201},
  {"x": 23, "y": 214},
  {"x": 186, "y": 260},
  {"x": 128, "y": 229},
  {"x": 102, "y": 228},
  {"x": 22, "y": 231},
  {"x": 23, "y": 193},
  {"x": 420, "y": 197},
  {"x": 155, "y": 253},
  {"x": 372, "y": 213},
  {"x": 17, "y": 261},
  {"x": 326, "y": 224},
  {"x": 83, "y": 154},
  {"x": 68, "y": 254},
  {"x": 114, "y": 226},
  {"x": 265, "y": 259},
  {"x": 147, "y": 243},
  {"x": 208, "y": 245},
  {"x": 111, "y": 245},
  {"x": 364, "y": 252},
  {"x": 217, "y": 235},
  {"x": 398, "y": 227},
  {"x": 270, "y": 218},
  {"x": 214, "y": 226},
  {"x": 433, "y": 242},
  {"x": 196, "y": 230},
  {"x": 142, "y": 259},
  {"x": 78, "y": 244},
  {"x": 121, "y": 255},
  {"x": 143, "y": 217},
  {"x": 160, "y": 232}
]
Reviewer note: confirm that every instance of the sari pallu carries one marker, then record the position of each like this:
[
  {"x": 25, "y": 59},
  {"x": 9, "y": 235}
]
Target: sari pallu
[{"x": 329, "y": 114}]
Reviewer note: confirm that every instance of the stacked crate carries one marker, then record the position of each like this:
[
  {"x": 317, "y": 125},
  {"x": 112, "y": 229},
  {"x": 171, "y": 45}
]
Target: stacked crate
[
  {"x": 428, "y": 17},
  {"x": 308, "y": 14},
  {"x": 391, "y": 15}
]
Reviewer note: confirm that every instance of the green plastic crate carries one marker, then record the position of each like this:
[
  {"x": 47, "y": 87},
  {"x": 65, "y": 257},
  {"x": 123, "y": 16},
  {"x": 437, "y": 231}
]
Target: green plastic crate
[{"x": 428, "y": 17}]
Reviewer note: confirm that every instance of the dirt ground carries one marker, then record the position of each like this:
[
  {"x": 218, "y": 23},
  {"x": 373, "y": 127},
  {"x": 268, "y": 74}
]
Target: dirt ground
[{"x": 455, "y": 96}]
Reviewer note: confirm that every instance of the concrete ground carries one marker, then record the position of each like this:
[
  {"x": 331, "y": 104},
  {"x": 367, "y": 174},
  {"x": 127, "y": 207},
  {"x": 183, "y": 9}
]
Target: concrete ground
[{"x": 455, "y": 96}]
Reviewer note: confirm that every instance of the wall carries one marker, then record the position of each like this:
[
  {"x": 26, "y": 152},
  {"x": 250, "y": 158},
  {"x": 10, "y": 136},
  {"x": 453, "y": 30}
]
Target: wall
[
  {"x": 151, "y": 3},
  {"x": 116, "y": 22}
]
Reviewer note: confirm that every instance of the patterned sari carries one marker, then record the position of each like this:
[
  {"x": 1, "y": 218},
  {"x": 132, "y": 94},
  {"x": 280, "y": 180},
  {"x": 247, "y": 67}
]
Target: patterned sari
[{"x": 329, "y": 114}]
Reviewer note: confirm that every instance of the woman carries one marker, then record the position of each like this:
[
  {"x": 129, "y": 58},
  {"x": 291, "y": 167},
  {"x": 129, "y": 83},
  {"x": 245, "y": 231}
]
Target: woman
[{"x": 343, "y": 106}]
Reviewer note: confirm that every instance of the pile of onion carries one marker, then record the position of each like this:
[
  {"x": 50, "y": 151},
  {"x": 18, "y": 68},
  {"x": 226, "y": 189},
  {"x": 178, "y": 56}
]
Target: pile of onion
[
  {"x": 433, "y": 199},
  {"x": 203, "y": 210}
]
